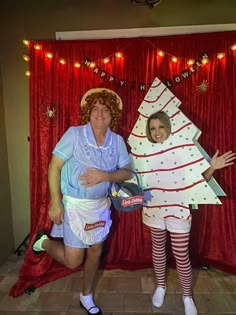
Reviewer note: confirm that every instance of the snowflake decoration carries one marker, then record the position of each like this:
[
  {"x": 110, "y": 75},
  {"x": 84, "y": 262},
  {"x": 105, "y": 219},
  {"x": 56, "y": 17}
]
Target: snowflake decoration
[
  {"x": 203, "y": 87},
  {"x": 51, "y": 112}
]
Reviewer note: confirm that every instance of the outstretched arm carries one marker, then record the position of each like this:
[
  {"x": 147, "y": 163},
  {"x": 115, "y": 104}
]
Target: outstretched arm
[{"x": 218, "y": 162}]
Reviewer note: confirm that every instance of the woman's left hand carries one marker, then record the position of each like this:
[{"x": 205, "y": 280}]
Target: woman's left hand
[{"x": 226, "y": 159}]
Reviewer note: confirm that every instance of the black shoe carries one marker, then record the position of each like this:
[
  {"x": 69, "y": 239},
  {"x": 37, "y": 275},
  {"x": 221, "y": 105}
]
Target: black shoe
[
  {"x": 38, "y": 236},
  {"x": 88, "y": 311}
]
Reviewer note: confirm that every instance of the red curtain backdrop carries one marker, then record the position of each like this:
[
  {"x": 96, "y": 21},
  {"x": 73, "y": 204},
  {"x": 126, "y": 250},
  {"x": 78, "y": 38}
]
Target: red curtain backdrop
[{"x": 55, "y": 93}]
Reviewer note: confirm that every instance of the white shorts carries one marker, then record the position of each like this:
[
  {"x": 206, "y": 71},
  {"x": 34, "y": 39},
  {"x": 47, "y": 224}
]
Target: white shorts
[{"x": 172, "y": 225}]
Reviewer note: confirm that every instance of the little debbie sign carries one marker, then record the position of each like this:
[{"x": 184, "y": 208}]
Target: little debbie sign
[{"x": 127, "y": 202}]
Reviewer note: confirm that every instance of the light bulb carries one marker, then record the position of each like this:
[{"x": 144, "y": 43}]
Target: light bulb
[
  {"x": 220, "y": 55},
  {"x": 26, "y": 57},
  {"x": 106, "y": 60},
  {"x": 92, "y": 64},
  {"x": 37, "y": 47},
  {"x": 118, "y": 55},
  {"x": 174, "y": 59},
  {"x": 161, "y": 53},
  {"x": 25, "y": 42},
  {"x": 205, "y": 60},
  {"x": 77, "y": 65},
  {"x": 190, "y": 62},
  {"x": 49, "y": 55}
]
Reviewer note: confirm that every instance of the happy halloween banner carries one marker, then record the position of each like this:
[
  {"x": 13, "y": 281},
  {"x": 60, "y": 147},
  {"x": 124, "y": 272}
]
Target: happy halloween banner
[{"x": 178, "y": 78}]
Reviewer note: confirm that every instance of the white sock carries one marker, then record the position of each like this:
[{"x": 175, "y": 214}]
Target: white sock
[
  {"x": 38, "y": 245},
  {"x": 87, "y": 301}
]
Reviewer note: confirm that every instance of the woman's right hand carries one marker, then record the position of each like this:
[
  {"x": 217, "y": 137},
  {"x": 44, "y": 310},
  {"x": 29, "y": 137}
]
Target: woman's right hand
[{"x": 56, "y": 212}]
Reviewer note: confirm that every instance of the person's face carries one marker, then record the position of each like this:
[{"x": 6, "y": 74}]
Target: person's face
[
  {"x": 158, "y": 131},
  {"x": 100, "y": 116}
]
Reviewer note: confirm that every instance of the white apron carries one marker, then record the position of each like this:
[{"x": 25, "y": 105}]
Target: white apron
[{"x": 89, "y": 219}]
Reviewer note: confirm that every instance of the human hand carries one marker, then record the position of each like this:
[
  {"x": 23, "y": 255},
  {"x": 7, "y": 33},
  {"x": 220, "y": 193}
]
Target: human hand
[
  {"x": 56, "y": 212},
  {"x": 92, "y": 176},
  {"x": 226, "y": 159}
]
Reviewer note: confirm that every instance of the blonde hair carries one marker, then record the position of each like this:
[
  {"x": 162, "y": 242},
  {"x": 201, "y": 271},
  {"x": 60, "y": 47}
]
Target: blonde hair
[
  {"x": 107, "y": 98},
  {"x": 164, "y": 119}
]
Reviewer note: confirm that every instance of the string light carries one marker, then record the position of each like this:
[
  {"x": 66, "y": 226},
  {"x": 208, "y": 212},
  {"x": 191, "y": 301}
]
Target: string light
[
  {"x": 205, "y": 61},
  {"x": 92, "y": 64},
  {"x": 25, "y": 42},
  {"x": 119, "y": 55},
  {"x": 233, "y": 47},
  {"x": 190, "y": 62},
  {"x": 37, "y": 47},
  {"x": 106, "y": 60},
  {"x": 27, "y": 73},
  {"x": 174, "y": 59},
  {"x": 62, "y": 61},
  {"x": 161, "y": 53},
  {"x": 220, "y": 55},
  {"x": 77, "y": 65},
  {"x": 49, "y": 55},
  {"x": 26, "y": 57}
]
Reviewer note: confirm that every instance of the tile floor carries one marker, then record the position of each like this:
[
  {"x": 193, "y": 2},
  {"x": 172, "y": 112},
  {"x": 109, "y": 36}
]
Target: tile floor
[{"x": 118, "y": 292}]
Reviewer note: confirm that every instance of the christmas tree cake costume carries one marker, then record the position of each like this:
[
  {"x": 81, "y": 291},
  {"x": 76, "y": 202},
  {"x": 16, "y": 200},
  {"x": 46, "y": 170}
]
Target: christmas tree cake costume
[
  {"x": 175, "y": 173},
  {"x": 171, "y": 171}
]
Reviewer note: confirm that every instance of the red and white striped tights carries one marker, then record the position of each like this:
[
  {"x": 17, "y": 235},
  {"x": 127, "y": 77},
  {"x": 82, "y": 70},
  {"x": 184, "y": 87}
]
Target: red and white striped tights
[{"x": 180, "y": 245}]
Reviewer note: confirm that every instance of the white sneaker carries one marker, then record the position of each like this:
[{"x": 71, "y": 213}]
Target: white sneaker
[
  {"x": 158, "y": 297},
  {"x": 189, "y": 306}
]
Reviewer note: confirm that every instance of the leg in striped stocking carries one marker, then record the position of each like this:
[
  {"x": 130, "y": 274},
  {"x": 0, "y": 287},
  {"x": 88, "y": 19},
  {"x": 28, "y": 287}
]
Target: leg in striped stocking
[
  {"x": 159, "y": 264},
  {"x": 180, "y": 248}
]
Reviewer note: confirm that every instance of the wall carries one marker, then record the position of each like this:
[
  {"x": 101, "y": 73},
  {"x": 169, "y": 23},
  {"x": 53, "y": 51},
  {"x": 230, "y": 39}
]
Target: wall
[
  {"x": 40, "y": 20},
  {"x": 6, "y": 232}
]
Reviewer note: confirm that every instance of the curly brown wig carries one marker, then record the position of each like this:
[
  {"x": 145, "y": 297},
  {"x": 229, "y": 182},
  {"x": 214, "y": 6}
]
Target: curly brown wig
[{"x": 107, "y": 98}]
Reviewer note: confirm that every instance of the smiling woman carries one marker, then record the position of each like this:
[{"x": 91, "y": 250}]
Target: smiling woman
[
  {"x": 158, "y": 127},
  {"x": 171, "y": 179}
]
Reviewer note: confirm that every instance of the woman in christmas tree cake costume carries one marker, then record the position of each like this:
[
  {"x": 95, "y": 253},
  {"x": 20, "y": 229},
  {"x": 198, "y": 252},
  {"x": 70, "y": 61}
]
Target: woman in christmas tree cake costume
[{"x": 172, "y": 215}]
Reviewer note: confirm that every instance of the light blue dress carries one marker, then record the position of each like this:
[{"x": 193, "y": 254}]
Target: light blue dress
[{"x": 79, "y": 150}]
